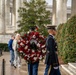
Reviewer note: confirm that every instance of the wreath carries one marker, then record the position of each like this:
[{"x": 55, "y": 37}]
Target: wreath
[{"x": 32, "y": 47}]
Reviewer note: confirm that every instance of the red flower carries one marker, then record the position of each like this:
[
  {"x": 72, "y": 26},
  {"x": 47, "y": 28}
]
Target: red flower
[{"x": 31, "y": 54}]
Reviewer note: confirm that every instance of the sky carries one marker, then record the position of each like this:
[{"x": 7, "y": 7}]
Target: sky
[{"x": 50, "y": 2}]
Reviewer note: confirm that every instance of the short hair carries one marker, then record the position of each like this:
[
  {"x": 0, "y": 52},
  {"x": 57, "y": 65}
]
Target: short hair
[{"x": 33, "y": 28}]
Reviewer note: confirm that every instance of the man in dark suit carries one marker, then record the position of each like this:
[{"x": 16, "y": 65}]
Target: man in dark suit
[
  {"x": 51, "y": 55},
  {"x": 33, "y": 67}
]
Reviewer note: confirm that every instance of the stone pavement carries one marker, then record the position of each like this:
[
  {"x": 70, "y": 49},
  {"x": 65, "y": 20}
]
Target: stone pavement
[
  {"x": 23, "y": 70},
  {"x": 8, "y": 69}
]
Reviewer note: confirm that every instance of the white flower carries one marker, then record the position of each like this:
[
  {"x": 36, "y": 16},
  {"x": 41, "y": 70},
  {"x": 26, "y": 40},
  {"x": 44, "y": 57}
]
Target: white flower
[
  {"x": 28, "y": 32},
  {"x": 35, "y": 58},
  {"x": 21, "y": 51},
  {"x": 42, "y": 36},
  {"x": 21, "y": 44},
  {"x": 25, "y": 55},
  {"x": 34, "y": 36},
  {"x": 27, "y": 42},
  {"x": 28, "y": 56},
  {"x": 26, "y": 47},
  {"x": 40, "y": 57},
  {"x": 28, "y": 50},
  {"x": 38, "y": 45},
  {"x": 37, "y": 55},
  {"x": 43, "y": 46},
  {"x": 44, "y": 51},
  {"x": 33, "y": 50},
  {"x": 32, "y": 55}
]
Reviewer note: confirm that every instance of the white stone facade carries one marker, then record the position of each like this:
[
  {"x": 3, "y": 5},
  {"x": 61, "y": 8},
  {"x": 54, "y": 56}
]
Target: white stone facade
[
  {"x": 9, "y": 15},
  {"x": 5, "y": 38}
]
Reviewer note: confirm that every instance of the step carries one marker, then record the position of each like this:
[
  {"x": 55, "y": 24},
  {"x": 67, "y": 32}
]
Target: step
[
  {"x": 66, "y": 68},
  {"x": 72, "y": 67},
  {"x": 63, "y": 72}
]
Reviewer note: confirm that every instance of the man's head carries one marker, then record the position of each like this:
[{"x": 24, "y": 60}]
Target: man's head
[
  {"x": 12, "y": 37},
  {"x": 33, "y": 28},
  {"x": 51, "y": 29}
]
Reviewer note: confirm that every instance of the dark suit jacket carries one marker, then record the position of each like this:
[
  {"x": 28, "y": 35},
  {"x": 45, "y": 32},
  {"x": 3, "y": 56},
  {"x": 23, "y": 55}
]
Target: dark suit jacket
[{"x": 51, "y": 56}]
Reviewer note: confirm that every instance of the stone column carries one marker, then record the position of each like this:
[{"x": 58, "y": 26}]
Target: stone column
[
  {"x": 54, "y": 13},
  {"x": 17, "y": 5},
  {"x": 2, "y": 16},
  {"x": 7, "y": 13},
  {"x": 73, "y": 8},
  {"x": 14, "y": 13},
  {"x": 61, "y": 11}
]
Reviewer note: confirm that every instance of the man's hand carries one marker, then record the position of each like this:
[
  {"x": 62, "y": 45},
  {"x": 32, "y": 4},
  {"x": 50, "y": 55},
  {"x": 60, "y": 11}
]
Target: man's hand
[{"x": 56, "y": 67}]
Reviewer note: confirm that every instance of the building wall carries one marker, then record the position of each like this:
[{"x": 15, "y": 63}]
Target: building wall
[{"x": 11, "y": 29}]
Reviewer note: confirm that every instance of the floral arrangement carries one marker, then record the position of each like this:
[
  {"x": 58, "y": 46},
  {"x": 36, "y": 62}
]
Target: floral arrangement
[{"x": 32, "y": 46}]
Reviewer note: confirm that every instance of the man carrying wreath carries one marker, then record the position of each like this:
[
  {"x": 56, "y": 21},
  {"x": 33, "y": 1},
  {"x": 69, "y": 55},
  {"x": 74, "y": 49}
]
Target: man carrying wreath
[
  {"x": 32, "y": 49},
  {"x": 33, "y": 67}
]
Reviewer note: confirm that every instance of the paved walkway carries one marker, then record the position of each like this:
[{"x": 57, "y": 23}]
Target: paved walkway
[
  {"x": 20, "y": 71},
  {"x": 8, "y": 69}
]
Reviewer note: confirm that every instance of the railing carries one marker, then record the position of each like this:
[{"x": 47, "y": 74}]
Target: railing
[{"x": 3, "y": 67}]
